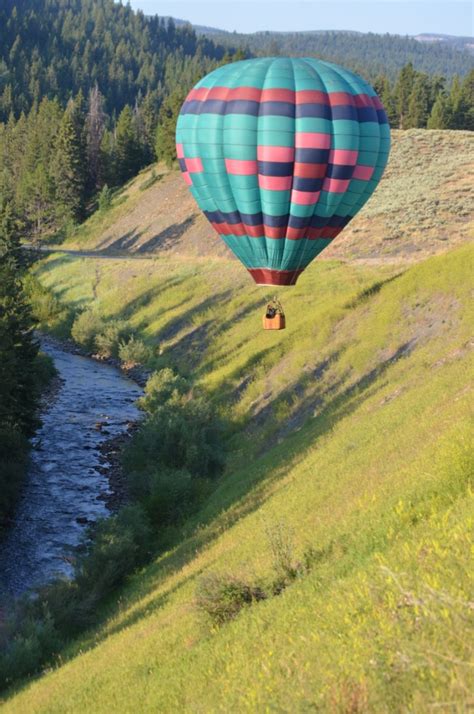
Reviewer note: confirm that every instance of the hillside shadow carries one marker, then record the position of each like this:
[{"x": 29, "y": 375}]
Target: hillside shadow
[
  {"x": 124, "y": 243},
  {"x": 168, "y": 237}
]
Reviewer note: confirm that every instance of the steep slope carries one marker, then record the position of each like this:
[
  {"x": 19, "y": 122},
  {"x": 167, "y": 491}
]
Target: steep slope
[
  {"x": 423, "y": 204},
  {"x": 349, "y": 465},
  {"x": 351, "y": 457}
]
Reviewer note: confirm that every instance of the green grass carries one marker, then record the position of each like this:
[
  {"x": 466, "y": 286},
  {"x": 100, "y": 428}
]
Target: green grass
[{"x": 349, "y": 433}]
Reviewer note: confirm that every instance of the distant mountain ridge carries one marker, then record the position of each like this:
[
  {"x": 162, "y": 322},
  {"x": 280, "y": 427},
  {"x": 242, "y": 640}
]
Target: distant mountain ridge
[{"x": 375, "y": 53}]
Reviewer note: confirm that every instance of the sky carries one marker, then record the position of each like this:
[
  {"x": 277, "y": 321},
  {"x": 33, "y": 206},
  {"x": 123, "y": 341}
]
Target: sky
[{"x": 452, "y": 17}]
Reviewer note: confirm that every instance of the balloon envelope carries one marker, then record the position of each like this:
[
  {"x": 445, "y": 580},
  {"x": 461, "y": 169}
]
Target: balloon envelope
[{"x": 280, "y": 154}]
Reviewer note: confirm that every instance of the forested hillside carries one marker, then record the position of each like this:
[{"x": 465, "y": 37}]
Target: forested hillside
[
  {"x": 369, "y": 54},
  {"x": 56, "y": 48},
  {"x": 90, "y": 91}
]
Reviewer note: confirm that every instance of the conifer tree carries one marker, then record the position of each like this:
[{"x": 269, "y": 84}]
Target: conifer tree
[
  {"x": 18, "y": 394},
  {"x": 128, "y": 152},
  {"x": 166, "y": 130},
  {"x": 441, "y": 113},
  {"x": 68, "y": 167},
  {"x": 95, "y": 127},
  {"x": 403, "y": 90},
  {"x": 419, "y": 105},
  {"x": 383, "y": 89}
]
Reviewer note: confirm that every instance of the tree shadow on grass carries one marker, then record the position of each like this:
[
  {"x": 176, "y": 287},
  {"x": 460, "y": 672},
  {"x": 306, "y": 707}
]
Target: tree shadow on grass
[
  {"x": 168, "y": 237},
  {"x": 223, "y": 511}
]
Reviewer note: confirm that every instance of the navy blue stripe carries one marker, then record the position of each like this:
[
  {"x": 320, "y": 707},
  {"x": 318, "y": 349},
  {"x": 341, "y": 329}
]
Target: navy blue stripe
[
  {"x": 242, "y": 106},
  {"x": 275, "y": 168},
  {"x": 338, "y": 171},
  {"x": 182, "y": 164},
  {"x": 307, "y": 184},
  {"x": 277, "y": 109},
  {"x": 257, "y": 219},
  {"x": 286, "y": 109},
  {"x": 312, "y": 156},
  {"x": 320, "y": 111}
]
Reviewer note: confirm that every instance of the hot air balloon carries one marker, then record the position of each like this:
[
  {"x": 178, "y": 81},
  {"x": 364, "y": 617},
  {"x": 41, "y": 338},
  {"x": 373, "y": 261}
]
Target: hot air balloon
[{"x": 280, "y": 154}]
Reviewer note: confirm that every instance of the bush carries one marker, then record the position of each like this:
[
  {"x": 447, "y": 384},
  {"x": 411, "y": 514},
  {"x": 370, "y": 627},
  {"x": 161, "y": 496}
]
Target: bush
[
  {"x": 120, "y": 543},
  {"x": 86, "y": 327},
  {"x": 222, "y": 597},
  {"x": 182, "y": 435},
  {"x": 46, "y": 308},
  {"x": 133, "y": 352},
  {"x": 108, "y": 341},
  {"x": 44, "y": 369},
  {"x": 160, "y": 388},
  {"x": 105, "y": 199}
]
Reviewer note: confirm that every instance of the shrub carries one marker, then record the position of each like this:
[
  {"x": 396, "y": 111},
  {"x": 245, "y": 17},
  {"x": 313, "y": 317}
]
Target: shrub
[
  {"x": 105, "y": 199},
  {"x": 286, "y": 567},
  {"x": 161, "y": 387},
  {"x": 44, "y": 369},
  {"x": 46, "y": 308},
  {"x": 108, "y": 341},
  {"x": 24, "y": 653},
  {"x": 133, "y": 352},
  {"x": 222, "y": 597},
  {"x": 179, "y": 435},
  {"x": 120, "y": 543},
  {"x": 86, "y": 327}
]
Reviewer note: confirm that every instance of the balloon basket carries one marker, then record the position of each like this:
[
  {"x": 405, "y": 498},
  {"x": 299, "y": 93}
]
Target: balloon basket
[{"x": 274, "y": 323}]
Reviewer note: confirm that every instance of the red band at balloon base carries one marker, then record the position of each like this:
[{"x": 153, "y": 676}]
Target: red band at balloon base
[{"x": 265, "y": 276}]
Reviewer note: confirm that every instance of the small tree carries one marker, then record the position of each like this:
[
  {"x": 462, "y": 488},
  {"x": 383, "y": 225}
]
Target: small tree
[
  {"x": 166, "y": 130},
  {"x": 441, "y": 115},
  {"x": 105, "y": 199}
]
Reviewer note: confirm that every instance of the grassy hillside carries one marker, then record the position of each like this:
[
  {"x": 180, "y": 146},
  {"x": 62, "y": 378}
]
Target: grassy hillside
[
  {"x": 423, "y": 205},
  {"x": 349, "y": 468}
]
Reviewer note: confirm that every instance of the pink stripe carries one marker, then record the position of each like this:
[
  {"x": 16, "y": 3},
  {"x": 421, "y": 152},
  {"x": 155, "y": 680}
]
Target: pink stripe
[
  {"x": 335, "y": 185},
  {"x": 275, "y": 153},
  {"x": 311, "y": 96},
  {"x": 295, "y": 233},
  {"x": 304, "y": 198},
  {"x": 337, "y": 98},
  {"x": 278, "y": 95},
  {"x": 187, "y": 178},
  {"x": 312, "y": 140},
  {"x": 179, "y": 151},
  {"x": 303, "y": 96},
  {"x": 203, "y": 93},
  {"x": 275, "y": 183},
  {"x": 363, "y": 172},
  {"x": 344, "y": 157},
  {"x": 194, "y": 165},
  {"x": 244, "y": 168}
]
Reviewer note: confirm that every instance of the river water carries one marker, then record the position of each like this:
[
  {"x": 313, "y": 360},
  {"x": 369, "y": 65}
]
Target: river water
[{"x": 65, "y": 488}]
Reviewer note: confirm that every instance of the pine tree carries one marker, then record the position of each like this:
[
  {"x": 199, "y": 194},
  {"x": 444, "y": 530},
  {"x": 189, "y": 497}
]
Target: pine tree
[
  {"x": 68, "y": 168},
  {"x": 383, "y": 89},
  {"x": 128, "y": 152},
  {"x": 402, "y": 92},
  {"x": 18, "y": 349},
  {"x": 166, "y": 130},
  {"x": 419, "y": 107},
  {"x": 441, "y": 114},
  {"x": 95, "y": 127}
]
